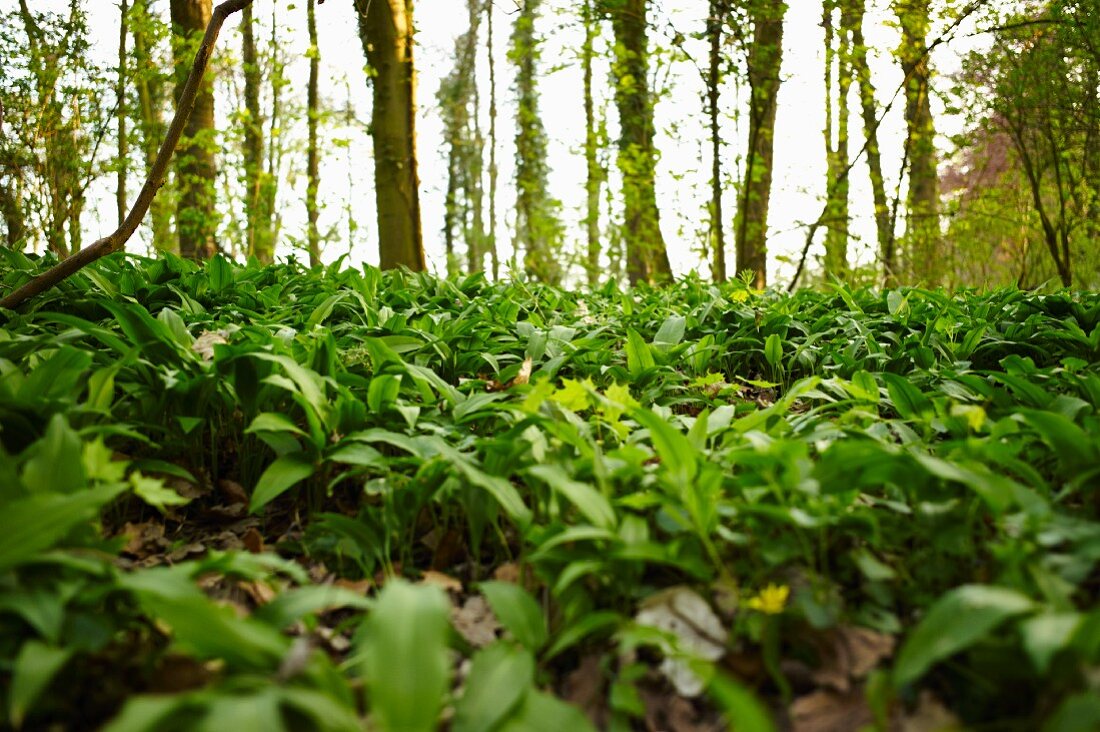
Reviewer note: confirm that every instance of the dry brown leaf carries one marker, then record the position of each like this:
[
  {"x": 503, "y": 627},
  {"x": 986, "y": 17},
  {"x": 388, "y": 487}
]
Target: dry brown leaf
[
  {"x": 929, "y": 716},
  {"x": 683, "y": 613},
  {"x": 258, "y": 591},
  {"x": 359, "y": 587},
  {"x": 253, "y": 540},
  {"x": 524, "y": 375},
  {"x": 204, "y": 344},
  {"x": 142, "y": 538},
  {"x": 443, "y": 581},
  {"x": 475, "y": 621},
  {"x": 584, "y": 688},
  {"x": 508, "y": 572},
  {"x": 233, "y": 492},
  {"x": 847, "y": 654},
  {"x": 831, "y": 711},
  {"x": 176, "y": 673}
]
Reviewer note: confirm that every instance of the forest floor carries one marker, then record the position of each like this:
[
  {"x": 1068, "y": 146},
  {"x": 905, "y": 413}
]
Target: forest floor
[{"x": 276, "y": 498}]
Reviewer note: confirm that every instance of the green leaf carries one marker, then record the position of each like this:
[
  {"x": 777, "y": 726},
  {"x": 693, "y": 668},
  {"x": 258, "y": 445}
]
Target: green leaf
[
  {"x": 295, "y": 604},
  {"x": 590, "y": 502},
  {"x": 274, "y": 422},
  {"x": 55, "y": 465},
  {"x": 283, "y": 474},
  {"x": 677, "y": 453},
  {"x": 500, "y": 676},
  {"x": 956, "y": 621},
  {"x": 909, "y": 402},
  {"x": 219, "y": 272},
  {"x": 35, "y": 666},
  {"x": 542, "y": 712},
  {"x": 1076, "y": 450},
  {"x": 670, "y": 333},
  {"x": 743, "y": 711},
  {"x": 773, "y": 350},
  {"x": 404, "y": 656},
  {"x": 1046, "y": 634},
  {"x": 518, "y": 612},
  {"x": 639, "y": 358},
  {"x": 32, "y": 525},
  {"x": 154, "y": 492}
]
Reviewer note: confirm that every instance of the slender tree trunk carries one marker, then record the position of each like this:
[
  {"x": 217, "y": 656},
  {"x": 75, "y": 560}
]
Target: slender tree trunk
[
  {"x": 714, "y": 78},
  {"x": 123, "y": 111},
  {"x": 869, "y": 109},
  {"x": 923, "y": 227},
  {"x": 538, "y": 230},
  {"x": 594, "y": 173},
  {"x": 765, "y": 60},
  {"x": 150, "y": 99},
  {"x": 493, "y": 248},
  {"x": 647, "y": 258},
  {"x": 386, "y": 32},
  {"x": 11, "y": 210},
  {"x": 836, "y": 217},
  {"x": 312, "y": 154},
  {"x": 258, "y": 213},
  {"x": 196, "y": 170}
]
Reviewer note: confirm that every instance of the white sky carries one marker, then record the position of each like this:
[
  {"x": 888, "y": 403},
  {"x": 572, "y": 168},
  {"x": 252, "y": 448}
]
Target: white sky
[{"x": 684, "y": 167}]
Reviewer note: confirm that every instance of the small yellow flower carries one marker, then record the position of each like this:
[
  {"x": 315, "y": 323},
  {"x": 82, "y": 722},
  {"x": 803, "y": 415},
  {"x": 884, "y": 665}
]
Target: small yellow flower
[
  {"x": 771, "y": 600},
  {"x": 739, "y": 295}
]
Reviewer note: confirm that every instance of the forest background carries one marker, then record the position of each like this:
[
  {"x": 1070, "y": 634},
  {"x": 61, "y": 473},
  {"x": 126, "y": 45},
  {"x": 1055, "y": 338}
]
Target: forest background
[{"x": 802, "y": 171}]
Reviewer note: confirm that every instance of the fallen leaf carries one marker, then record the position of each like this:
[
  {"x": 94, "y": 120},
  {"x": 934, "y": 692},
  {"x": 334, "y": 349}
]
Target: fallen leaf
[
  {"x": 524, "y": 375},
  {"x": 584, "y": 688},
  {"x": 142, "y": 538},
  {"x": 258, "y": 591},
  {"x": 929, "y": 716},
  {"x": 847, "y": 654},
  {"x": 204, "y": 344},
  {"x": 508, "y": 572},
  {"x": 359, "y": 587},
  {"x": 253, "y": 540},
  {"x": 826, "y": 710},
  {"x": 443, "y": 581},
  {"x": 683, "y": 613},
  {"x": 233, "y": 492},
  {"x": 475, "y": 621}
]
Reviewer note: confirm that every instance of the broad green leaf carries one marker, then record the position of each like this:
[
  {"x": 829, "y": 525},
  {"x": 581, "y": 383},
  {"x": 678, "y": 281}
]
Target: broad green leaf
[
  {"x": 541, "y": 712},
  {"x": 219, "y": 272},
  {"x": 500, "y": 676},
  {"x": 670, "y": 333},
  {"x": 32, "y": 525},
  {"x": 590, "y": 502},
  {"x": 1046, "y": 634},
  {"x": 274, "y": 422},
  {"x": 154, "y": 492},
  {"x": 676, "y": 451},
  {"x": 1076, "y": 450},
  {"x": 518, "y": 612},
  {"x": 35, "y": 666},
  {"x": 956, "y": 621},
  {"x": 909, "y": 402},
  {"x": 403, "y": 651},
  {"x": 742, "y": 710},
  {"x": 293, "y": 605},
  {"x": 639, "y": 358},
  {"x": 55, "y": 465},
  {"x": 773, "y": 350},
  {"x": 283, "y": 474}
]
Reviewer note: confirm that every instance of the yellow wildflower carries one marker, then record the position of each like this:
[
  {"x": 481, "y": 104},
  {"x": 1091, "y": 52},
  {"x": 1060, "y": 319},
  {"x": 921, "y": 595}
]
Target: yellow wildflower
[
  {"x": 771, "y": 600},
  {"x": 739, "y": 295}
]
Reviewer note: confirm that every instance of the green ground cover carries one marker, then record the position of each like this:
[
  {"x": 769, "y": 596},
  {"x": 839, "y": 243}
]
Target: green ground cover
[{"x": 265, "y": 497}]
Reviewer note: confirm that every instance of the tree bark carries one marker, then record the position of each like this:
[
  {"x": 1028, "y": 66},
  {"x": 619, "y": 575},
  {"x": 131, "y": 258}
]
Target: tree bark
[
  {"x": 714, "y": 78},
  {"x": 765, "y": 60},
  {"x": 120, "y": 90},
  {"x": 594, "y": 172},
  {"x": 647, "y": 258},
  {"x": 836, "y": 60},
  {"x": 493, "y": 172},
  {"x": 923, "y": 227},
  {"x": 386, "y": 32},
  {"x": 117, "y": 239},
  {"x": 196, "y": 169},
  {"x": 869, "y": 111},
  {"x": 259, "y": 235},
  {"x": 150, "y": 99},
  {"x": 313, "y": 177}
]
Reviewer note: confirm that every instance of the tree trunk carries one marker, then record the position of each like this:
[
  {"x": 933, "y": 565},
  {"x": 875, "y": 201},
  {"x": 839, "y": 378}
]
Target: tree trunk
[
  {"x": 196, "y": 170},
  {"x": 150, "y": 100},
  {"x": 538, "y": 230},
  {"x": 836, "y": 216},
  {"x": 594, "y": 173},
  {"x": 923, "y": 226},
  {"x": 493, "y": 250},
  {"x": 120, "y": 91},
  {"x": 647, "y": 258},
  {"x": 714, "y": 78},
  {"x": 386, "y": 32},
  {"x": 259, "y": 235},
  {"x": 765, "y": 60},
  {"x": 11, "y": 210},
  {"x": 869, "y": 109},
  {"x": 312, "y": 153}
]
